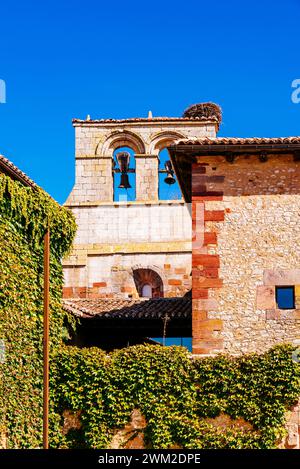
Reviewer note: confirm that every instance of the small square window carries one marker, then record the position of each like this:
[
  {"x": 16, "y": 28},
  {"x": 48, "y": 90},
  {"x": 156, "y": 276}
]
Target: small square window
[{"x": 285, "y": 297}]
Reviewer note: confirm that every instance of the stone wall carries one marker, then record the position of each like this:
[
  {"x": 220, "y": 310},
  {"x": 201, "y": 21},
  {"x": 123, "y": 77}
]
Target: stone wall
[
  {"x": 146, "y": 177},
  {"x": 252, "y": 209},
  {"x": 292, "y": 439},
  {"x": 96, "y": 141},
  {"x": 131, "y": 436},
  {"x": 156, "y": 237},
  {"x": 163, "y": 222},
  {"x": 115, "y": 238},
  {"x": 94, "y": 180},
  {"x": 112, "y": 275}
]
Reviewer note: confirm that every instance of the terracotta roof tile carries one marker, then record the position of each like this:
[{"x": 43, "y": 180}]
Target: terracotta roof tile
[
  {"x": 154, "y": 308},
  {"x": 9, "y": 168},
  {"x": 144, "y": 119},
  {"x": 239, "y": 141}
]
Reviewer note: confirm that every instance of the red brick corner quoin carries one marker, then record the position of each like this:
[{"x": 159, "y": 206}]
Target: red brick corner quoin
[{"x": 205, "y": 266}]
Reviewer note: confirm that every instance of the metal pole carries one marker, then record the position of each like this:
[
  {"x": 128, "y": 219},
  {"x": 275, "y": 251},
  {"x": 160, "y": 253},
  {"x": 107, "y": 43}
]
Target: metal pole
[{"x": 46, "y": 338}]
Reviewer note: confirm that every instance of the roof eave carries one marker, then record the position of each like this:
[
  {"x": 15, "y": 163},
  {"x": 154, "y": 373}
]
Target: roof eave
[
  {"x": 142, "y": 122},
  {"x": 197, "y": 149},
  {"x": 183, "y": 155},
  {"x": 15, "y": 174}
]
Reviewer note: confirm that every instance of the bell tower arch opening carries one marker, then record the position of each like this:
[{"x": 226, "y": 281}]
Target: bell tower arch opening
[
  {"x": 168, "y": 187},
  {"x": 124, "y": 174}
]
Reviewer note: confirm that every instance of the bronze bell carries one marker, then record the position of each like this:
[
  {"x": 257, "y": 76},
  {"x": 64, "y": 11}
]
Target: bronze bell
[
  {"x": 123, "y": 159},
  {"x": 124, "y": 183},
  {"x": 170, "y": 173}
]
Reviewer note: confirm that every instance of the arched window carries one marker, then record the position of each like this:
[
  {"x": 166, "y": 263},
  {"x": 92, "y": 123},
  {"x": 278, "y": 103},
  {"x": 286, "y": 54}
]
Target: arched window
[
  {"x": 168, "y": 187},
  {"x": 147, "y": 291},
  {"x": 124, "y": 174},
  {"x": 148, "y": 283}
]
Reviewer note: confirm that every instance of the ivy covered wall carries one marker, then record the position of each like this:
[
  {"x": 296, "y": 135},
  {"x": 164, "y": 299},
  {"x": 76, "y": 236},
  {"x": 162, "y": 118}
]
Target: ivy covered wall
[
  {"x": 23, "y": 219},
  {"x": 218, "y": 402}
]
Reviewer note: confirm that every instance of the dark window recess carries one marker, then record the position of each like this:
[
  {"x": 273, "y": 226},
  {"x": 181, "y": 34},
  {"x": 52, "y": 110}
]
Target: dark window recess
[{"x": 285, "y": 297}]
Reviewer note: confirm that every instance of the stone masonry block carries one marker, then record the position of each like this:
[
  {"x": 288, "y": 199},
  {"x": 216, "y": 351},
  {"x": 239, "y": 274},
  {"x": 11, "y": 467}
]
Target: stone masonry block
[
  {"x": 282, "y": 277},
  {"x": 200, "y": 293},
  {"x": 297, "y": 296},
  {"x": 174, "y": 282},
  {"x": 273, "y": 314},
  {"x": 211, "y": 325},
  {"x": 293, "y": 435},
  {"x": 201, "y": 346},
  {"x": 203, "y": 282},
  {"x": 206, "y": 260},
  {"x": 205, "y": 304},
  {"x": 265, "y": 297},
  {"x": 209, "y": 272}
]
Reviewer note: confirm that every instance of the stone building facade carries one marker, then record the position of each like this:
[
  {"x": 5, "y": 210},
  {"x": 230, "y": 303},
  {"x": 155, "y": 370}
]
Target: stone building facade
[
  {"x": 246, "y": 279},
  {"x": 121, "y": 246}
]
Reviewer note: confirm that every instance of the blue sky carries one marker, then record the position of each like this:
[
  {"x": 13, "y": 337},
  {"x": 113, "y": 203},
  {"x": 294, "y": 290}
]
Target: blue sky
[{"x": 119, "y": 59}]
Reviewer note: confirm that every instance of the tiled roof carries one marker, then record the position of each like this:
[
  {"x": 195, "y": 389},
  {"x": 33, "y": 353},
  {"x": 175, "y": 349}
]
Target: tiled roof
[
  {"x": 154, "y": 308},
  {"x": 9, "y": 168},
  {"x": 239, "y": 141},
  {"x": 144, "y": 119}
]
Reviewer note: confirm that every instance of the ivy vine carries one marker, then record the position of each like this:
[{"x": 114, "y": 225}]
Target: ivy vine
[
  {"x": 180, "y": 398},
  {"x": 24, "y": 216}
]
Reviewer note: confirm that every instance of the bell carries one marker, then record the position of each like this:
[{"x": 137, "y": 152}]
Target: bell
[
  {"x": 123, "y": 160},
  {"x": 170, "y": 180},
  {"x": 170, "y": 172},
  {"x": 124, "y": 183}
]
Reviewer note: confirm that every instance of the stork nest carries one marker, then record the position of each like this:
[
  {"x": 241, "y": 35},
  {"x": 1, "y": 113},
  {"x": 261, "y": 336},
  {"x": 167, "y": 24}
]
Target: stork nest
[{"x": 204, "y": 111}]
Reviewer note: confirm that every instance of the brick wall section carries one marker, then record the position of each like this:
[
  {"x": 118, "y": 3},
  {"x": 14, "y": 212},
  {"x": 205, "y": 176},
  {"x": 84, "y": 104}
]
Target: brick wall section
[
  {"x": 120, "y": 282},
  {"x": 205, "y": 263}
]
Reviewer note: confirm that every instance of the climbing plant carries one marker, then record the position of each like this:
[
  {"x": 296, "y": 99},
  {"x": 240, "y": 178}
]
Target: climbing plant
[
  {"x": 24, "y": 215},
  {"x": 180, "y": 398}
]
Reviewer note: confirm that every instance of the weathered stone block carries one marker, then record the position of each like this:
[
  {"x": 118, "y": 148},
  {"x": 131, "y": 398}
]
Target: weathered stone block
[
  {"x": 211, "y": 325},
  {"x": 203, "y": 282},
  {"x": 100, "y": 284},
  {"x": 174, "y": 282},
  {"x": 198, "y": 316},
  {"x": 297, "y": 296},
  {"x": 206, "y": 260},
  {"x": 202, "y": 347},
  {"x": 208, "y": 272},
  {"x": 282, "y": 277},
  {"x": 273, "y": 314},
  {"x": 293, "y": 435},
  {"x": 200, "y": 293},
  {"x": 210, "y": 304},
  {"x": 127, "y": 289},
  {"x": 180, "y": 270},
  {"x": 265, "y": 297}
]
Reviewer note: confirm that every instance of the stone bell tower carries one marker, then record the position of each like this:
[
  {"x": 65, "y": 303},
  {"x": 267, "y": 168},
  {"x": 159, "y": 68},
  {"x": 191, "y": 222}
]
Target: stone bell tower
[{"x": 124, "y": 248}]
